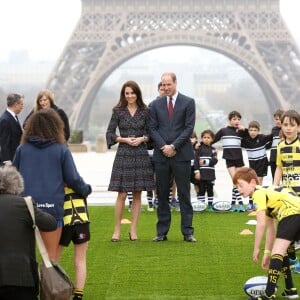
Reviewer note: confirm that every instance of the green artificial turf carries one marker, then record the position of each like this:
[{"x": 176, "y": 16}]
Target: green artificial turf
[{"x": 216, "y": 267}]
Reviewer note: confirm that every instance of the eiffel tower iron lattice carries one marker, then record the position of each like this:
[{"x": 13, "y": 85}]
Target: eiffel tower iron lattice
[{"x": 109, "y": 32}]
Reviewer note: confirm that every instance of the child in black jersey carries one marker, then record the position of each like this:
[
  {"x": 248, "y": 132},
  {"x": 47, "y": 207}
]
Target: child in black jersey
[
  {"x": 204, "y": 167},
  {"x": 195, "y": 144},
  {"x": 276, "y": 139},
  {"x": 231, "y": 137},
  {"x": 256, "y": 144}
]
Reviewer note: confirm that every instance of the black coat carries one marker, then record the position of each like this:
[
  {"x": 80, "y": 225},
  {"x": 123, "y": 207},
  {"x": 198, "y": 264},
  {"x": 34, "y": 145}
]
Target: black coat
[
  {"x": 18, "y": 266},
  {"x": 10, "y": 136}
]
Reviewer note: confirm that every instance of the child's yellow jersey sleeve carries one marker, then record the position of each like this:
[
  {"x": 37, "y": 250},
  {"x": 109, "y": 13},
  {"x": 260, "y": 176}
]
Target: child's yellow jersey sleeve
[{"x": 260, "y": 199}]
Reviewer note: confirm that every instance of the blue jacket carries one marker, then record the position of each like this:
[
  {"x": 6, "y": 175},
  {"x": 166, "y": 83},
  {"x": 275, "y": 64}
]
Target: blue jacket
[{"x": 46, "y": 167}]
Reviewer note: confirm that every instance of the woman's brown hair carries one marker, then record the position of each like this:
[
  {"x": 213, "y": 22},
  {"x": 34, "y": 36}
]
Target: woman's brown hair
[
  {"x": 45, "y": 124},
  {"x": 136, "y": 89},
  {"x": 48, "y": 94}
]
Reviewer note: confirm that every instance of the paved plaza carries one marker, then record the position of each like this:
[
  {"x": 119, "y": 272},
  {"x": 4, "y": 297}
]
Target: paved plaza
[{"x": 95, "y": 168}]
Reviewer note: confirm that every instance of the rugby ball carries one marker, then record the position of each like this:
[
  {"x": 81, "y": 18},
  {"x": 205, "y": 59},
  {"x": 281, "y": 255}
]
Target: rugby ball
[
  {"x": 255, "y": 286},
  {"x": 221, "y": 206},
  {"x": 198, "y": 206}
]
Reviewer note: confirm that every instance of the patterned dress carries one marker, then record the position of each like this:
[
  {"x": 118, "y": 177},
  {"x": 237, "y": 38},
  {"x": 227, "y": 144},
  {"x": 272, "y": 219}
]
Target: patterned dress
[{"x": 132, "y": 169}]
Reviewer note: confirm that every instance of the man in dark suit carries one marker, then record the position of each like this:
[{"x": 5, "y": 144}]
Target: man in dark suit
[
  {"x": 171, "y": 125},
  {"x": 10, "y": 128}
]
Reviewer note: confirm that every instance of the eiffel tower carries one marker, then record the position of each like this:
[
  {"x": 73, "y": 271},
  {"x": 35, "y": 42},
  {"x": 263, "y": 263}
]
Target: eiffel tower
[{"x": 250, "y": 32}]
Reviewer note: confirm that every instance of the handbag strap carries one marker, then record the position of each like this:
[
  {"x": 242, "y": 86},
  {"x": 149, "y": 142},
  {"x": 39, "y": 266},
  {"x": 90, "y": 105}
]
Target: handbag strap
[{"x": 38, "y": 238}]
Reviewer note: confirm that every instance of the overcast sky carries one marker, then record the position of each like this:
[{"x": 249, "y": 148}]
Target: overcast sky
[{"x": 43, "y": 26}]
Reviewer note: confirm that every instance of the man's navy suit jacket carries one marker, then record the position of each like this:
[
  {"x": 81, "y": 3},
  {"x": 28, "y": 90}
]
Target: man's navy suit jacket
[{"x": 176, "y": 131}]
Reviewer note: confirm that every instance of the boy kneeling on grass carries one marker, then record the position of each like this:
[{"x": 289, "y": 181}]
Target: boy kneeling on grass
[{"x": 272, "y": 203}]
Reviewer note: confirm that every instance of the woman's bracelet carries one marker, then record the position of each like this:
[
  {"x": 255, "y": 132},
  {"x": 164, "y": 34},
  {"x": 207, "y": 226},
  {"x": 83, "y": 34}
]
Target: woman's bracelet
[{"x": 266, "y": 251}]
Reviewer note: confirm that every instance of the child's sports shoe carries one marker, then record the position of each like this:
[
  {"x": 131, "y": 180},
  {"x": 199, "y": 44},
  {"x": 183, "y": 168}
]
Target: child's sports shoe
[
  {"x": 290, "y": 294},
  {"x": 293, "y": 262},
  {"x": 241, "y": 208},
  {"x": 174, "y": 203},
  {"x": 209, "y": 207},
  {"x": 250, "y": 207},
  {"x": 265, "y": 297},
  {"x": 150, "y": 207},
  {"x": 234, "y": 207},
  {"x": 296, "y": 267}
]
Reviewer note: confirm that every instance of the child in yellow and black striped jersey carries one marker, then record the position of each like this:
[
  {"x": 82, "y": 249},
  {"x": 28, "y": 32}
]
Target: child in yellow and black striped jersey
[
  {"x": 288, "y": 153},
  {"x": 273, "y": 203},
  {"x": 204, "y": 168},
  {"x": 76, "y": 229},
  {"x": 231, "y": 137},
  {"x": 288, "y": 164}
]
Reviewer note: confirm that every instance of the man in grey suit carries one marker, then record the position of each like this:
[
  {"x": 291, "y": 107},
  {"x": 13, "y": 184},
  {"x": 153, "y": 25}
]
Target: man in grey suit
[
  {"x": 172, "y": 120},
  {"x": 10, "y": 128}
]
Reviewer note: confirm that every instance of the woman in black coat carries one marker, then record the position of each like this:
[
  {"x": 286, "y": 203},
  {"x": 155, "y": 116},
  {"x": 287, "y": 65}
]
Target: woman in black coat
[
  {"x": 45, "y": 99},
  {"x": 18, "y": 267}
]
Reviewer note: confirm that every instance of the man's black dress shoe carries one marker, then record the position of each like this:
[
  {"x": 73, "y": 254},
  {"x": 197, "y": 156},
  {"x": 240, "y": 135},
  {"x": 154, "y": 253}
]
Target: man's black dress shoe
[
  {"x": 160, "y": 238},
  {"x": 189, "y": 238}
]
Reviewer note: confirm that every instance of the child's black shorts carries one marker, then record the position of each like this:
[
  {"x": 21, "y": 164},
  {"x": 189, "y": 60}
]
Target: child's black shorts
[
  {"x": 78, "y": 234},
  {"x": 289, "y": 228},
  {"x": 238, "y": 163}
]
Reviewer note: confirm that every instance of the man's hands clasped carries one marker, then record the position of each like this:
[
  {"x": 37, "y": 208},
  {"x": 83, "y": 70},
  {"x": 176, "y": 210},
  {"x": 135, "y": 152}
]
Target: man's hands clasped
[{"x": 168, "y": 150}]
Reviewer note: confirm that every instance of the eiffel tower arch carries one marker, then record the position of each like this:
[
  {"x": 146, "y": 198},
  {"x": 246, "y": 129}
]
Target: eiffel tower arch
[{"x": 109, "y": 32}]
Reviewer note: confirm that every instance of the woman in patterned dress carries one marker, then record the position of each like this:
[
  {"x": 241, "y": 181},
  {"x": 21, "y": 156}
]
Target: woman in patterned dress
[{"x": 132, "y": 170}]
